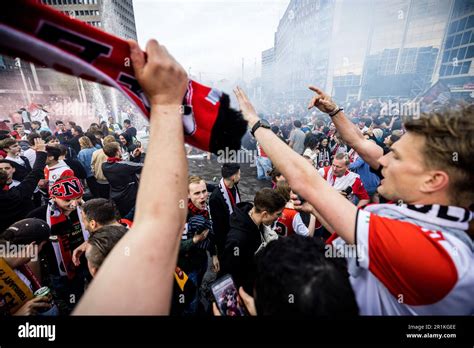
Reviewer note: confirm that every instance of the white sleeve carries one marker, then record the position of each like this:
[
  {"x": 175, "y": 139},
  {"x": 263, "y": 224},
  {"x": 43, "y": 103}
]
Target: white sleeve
[
  {"x": 321, "y": 172},
  {"x": 299, "y": 227}
]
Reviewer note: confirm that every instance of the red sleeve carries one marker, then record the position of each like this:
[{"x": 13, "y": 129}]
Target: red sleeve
[
  {"x": 359, "y": 189},
  {"x": 409, "y": 260}
]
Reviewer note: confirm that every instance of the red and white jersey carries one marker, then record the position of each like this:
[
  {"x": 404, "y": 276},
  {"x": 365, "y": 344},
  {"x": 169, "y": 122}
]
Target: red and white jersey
[
  {"x": 60, "y": 170},
  {"x": 404, "y": 269},
  {"x": 341, "y": 183},
  {"x": 289, "y": 223}
]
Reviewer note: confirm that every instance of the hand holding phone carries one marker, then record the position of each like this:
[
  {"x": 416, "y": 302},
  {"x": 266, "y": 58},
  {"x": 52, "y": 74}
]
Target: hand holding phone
[{"x": 226, "y": 296}]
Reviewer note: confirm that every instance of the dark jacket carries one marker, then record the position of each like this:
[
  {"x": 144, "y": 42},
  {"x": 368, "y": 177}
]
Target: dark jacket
[
  {"x": 220, "y": 218},
  {"x": 132, "y": 132},
  {"x": 16, "y": 203},
  {"x": 63, "y": 137},
  {"x": 74, "y": 143},
  {"x": 21, "y": 171},
  {"x": 191, "y": 257},
  {"x": 77, "y": 168},
  {"x": 130, "y": 147},
  {"x": 243, "y": 240},
  {"x": 123, "y": 180}
]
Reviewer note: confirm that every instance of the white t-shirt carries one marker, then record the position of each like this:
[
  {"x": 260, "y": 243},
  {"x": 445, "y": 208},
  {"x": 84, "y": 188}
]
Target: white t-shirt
[{"x": 18, "y": 160}]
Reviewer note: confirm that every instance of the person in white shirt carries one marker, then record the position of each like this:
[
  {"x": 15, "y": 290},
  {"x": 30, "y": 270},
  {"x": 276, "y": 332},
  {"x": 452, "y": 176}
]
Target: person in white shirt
[{"x": 30, "y": 154}]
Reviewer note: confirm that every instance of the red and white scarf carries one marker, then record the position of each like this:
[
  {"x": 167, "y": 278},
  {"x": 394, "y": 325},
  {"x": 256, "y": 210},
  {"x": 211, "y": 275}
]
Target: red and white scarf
[
  {"x": 40, "y": 34},
  {"x": 229, "y": 199}
]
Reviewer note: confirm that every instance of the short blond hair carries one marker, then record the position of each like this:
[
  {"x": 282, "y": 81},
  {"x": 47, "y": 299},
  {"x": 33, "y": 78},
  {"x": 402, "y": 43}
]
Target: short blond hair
[
  {"x": 448, "y": 146},
  {"x": 108, "y": 139},
  {"x": 194, "y": 179},
  {"x": 85, "y": 142}
]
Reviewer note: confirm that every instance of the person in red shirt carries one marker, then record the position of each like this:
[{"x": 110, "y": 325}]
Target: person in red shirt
[{"x": 346, "y": 182}]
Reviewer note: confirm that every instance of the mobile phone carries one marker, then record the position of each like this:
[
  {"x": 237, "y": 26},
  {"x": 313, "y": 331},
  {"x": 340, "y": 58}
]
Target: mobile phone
[
  {"x": 227, "y": 298},
  {"x": 348, "y": 190}
]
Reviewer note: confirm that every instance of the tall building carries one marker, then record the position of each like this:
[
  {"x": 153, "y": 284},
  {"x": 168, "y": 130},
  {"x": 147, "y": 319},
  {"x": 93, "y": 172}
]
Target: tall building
[
  {"x": 406, "y": 39},
  {"x": 301, "y": 49},
  {"x": 456, "y": 68},
  {"x": 114, "y": 16},
  {"x": 369, "y": 48},
  {"x": 268, "y": 71},
  {"x": 27, "y": 79}
]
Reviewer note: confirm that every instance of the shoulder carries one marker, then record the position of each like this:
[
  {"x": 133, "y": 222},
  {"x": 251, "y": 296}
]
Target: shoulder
[{"x": 39, "y": 213}]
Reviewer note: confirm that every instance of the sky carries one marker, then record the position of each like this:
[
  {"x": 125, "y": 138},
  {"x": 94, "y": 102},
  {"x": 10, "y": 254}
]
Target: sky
[{"x": 210, "y": 37}]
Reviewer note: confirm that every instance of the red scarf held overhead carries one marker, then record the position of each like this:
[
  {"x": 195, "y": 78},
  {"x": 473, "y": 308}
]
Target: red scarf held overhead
[{"x": 50, "y": 38}]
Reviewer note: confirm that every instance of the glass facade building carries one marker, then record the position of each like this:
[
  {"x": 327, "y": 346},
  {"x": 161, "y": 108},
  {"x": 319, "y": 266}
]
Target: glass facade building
[
  {"x": 373, "y": 48},
  {"x": 456, "y": 68}
]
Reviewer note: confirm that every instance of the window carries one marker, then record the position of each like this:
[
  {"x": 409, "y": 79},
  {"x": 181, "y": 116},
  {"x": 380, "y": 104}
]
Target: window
[
  {"x": 470, "y": 22},
  {"x": 470, "y": 52},
  {"x": 465, "y": 38},
  {"x": 449, "y": 70},
  {"x": 462, "y": 53},
  {"x": 449, "y": 42},
  {"x": 465, "y": 67},
  {"x": 454, "y": 54},
  {"x": 457, "y": 69},
  {"x": 442, "y": 71},
  {"x": 452, "y": 27},
  {"x": 445, "y": 56},
  {"x": 462, "y": 24},
  {"x": 457, "y": 40}
]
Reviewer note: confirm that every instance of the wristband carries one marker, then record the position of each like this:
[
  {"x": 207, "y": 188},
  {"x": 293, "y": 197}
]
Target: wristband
[{"x": 335, "y": 111}]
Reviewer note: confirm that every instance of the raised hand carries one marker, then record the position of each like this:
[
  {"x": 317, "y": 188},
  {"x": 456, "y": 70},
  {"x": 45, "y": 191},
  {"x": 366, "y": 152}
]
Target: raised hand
[
  {"x": 39, "y": 145},
  {"x": 321, "y": 100},
  {"x": 248, "y": 111},
  {"x": 162, "y": 78}
]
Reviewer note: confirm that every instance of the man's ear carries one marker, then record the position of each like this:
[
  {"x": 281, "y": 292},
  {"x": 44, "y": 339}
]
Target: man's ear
[
  {"x": 437, "y": 180},
  {"x": 93, "y": 224},
  {"x": 93, "y": 270}
]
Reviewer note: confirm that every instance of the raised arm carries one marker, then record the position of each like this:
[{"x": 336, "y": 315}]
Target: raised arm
[
  {"x": 303, "y": 177},
  {"x": 348, "y": 131},
  {"x": 137, "y": 276}
]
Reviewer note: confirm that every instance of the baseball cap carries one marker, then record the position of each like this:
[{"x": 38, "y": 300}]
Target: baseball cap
[{"x": 26, "y": 231}]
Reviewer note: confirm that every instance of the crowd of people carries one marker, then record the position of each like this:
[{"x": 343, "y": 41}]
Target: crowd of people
[{"x": 365, "y": 214}]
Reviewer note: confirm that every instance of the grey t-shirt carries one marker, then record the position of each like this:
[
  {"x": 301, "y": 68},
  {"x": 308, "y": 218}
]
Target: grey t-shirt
[{"x": 297, "y": 136}]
